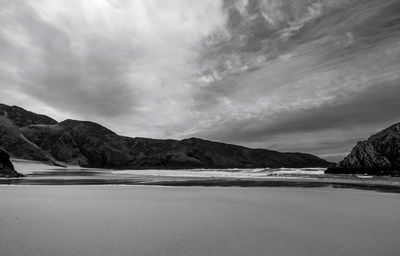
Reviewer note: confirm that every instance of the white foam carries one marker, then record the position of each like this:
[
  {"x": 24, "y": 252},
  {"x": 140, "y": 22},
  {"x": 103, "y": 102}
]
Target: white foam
[
  {"x": 224, "y": 173},
  {"x": 27, "y": 167}
]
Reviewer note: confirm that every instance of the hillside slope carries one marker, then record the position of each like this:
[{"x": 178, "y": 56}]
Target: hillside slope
[{"x": 89, "y": 144}]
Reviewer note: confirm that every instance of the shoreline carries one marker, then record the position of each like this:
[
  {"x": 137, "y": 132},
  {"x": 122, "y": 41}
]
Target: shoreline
[
  {"x": 380, "y": 186},
  {"x": 38, "y": 173}
]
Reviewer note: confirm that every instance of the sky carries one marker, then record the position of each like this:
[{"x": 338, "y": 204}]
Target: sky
[{"x": 310, "y": 76}]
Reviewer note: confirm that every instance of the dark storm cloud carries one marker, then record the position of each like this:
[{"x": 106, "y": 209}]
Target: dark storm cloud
[
  {"x": 374, "y": 106},
  {"x": 326, "y": 73}
]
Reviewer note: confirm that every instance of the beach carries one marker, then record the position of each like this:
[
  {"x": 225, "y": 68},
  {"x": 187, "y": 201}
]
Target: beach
[{"x": 154, "y": 220}]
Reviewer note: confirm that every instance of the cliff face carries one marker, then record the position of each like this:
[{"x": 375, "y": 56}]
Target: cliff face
[
  {"x": 91, "y": 145},
  {"x": 379, "y": 155},
  {"x": 6, "y": 167}
]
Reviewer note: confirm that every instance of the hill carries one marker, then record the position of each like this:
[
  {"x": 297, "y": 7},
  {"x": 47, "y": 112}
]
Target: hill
[{"x": 89, "y": 144}]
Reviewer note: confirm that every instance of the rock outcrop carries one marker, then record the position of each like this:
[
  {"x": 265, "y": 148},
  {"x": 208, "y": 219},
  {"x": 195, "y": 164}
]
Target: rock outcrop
[
  {"x": 379, "y": 155},
  {"x": 6, "y": 167},
  {"x": 89, "y": 144}
]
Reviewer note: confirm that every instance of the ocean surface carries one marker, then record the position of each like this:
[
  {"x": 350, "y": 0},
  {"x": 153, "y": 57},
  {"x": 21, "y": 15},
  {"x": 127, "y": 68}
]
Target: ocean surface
[
  {"x": 37, "y": 173},
  {"x": 41, "y": 172}
]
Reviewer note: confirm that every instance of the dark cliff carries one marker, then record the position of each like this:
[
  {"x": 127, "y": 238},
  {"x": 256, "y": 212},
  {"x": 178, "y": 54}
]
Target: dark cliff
[
  {"x": 6, "y": 167},
  {"x": 379, "y": 155}
]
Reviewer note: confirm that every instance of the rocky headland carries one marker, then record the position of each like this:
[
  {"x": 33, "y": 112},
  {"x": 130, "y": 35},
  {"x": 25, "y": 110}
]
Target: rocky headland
[
  {"x": 6, "y": 167},
  {"x": 378, "y": 155}
]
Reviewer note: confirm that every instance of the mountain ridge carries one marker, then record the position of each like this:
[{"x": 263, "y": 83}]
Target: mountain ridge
[
  {"x": 90, "y": 144},
  {"x": 22, "y": 117}
]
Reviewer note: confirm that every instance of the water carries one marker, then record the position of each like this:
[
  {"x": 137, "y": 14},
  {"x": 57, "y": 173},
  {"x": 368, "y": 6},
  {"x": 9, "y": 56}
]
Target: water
[
  {"x": 258, "y": 173},
  {"x": 37, "y": 173}
]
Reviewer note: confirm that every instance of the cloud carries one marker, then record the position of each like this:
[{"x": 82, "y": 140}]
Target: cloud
[
  {"x": 307, "y": 75},
  {"x": 105, "y": 59},
  {"x": 332, "y": 127},
  {"x": 323, "y": 87}
]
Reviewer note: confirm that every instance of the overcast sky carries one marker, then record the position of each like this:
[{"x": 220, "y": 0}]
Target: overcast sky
[{"x": 307, "y": 75}]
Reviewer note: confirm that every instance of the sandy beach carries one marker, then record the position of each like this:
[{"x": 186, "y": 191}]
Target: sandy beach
[{"x": 151, "y": 220}]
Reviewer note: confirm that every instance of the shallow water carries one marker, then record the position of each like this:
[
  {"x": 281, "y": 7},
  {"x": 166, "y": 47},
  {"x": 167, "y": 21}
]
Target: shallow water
[{"x": 37, "y": 173}]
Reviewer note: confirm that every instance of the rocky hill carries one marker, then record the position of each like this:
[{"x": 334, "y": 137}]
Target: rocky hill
[
  {"x": 379, "y": 155},
  {"x": 15, "y": 143},
  {"x": 89, "y": 144},
  {"x": 6, "y": 167},
  {"x": 21, "y": 117}
]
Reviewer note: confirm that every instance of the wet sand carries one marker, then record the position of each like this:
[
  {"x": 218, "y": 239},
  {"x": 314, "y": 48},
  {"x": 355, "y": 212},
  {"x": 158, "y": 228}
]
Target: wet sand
[{"x": 151, "y": 220}]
